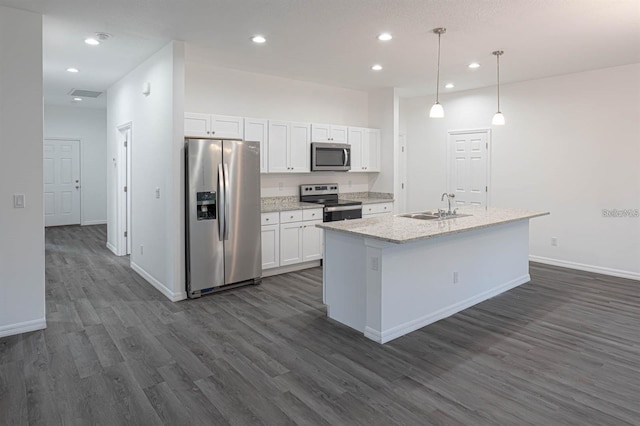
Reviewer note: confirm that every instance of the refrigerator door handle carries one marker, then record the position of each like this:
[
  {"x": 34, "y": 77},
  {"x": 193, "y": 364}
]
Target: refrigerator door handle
[
  {"x": 222, "y": 201},
  {"x": 226, "y": 202}
]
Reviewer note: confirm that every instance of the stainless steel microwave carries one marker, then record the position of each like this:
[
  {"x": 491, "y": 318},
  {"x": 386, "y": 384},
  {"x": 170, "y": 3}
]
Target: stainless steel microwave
[{"x": 334, "y": 157}]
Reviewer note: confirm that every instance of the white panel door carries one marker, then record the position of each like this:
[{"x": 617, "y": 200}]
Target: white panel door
[
  {"x": 290, "y": 243},
  {"x": 257, "y": 129},
  {"x": 227, "y": 127},
  {"x": 279, "y": 135},
  {"x": 339, "y": 134},
  {"x": 197, "y": 125},
  {"x": 356, "y": 140},
  {"x": 300, "y": 148},
  {"x": 270, "y": 246},
  {"x": 312, "y": 241},
  {"x": 468, "y": 167},
  {"x": 320, "y": 132},
  {"x": 371, "y": 150},
  {"x": 61, "y": 182}
]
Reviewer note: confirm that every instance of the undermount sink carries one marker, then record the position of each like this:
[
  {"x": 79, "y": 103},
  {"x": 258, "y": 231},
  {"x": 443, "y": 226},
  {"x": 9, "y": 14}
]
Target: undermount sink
[{"x": 432, "y": 216}]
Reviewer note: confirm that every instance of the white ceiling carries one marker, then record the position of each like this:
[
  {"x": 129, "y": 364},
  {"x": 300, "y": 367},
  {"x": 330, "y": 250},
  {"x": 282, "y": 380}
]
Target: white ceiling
[{"x": 334, "y": 41}]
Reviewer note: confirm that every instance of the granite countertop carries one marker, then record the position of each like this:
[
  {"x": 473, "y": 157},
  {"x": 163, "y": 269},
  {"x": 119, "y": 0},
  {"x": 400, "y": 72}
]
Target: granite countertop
[
  {"x": 288, "y": 203},
  {"x": 396, "y": 229}
]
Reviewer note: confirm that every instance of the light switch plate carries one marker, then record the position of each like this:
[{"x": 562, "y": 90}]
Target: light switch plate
[{"x": 18, "y": 201}]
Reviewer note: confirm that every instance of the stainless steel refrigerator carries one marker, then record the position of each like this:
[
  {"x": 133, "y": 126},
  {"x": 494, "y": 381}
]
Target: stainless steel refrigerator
[{"x": 222, "y": 214}]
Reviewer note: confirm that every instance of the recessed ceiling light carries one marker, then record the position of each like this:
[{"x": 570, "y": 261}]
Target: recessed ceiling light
[
  {"x": 77, "y": 99},
  {"x": 385, "y": 37},
  {"x": 258, "y": 39},
  {"x": 473, "y": 65},
  {"x": 449, "y": 86},
  {"x": 91, "y": 41},
  {"x": 376, "y": 67},
  {"x": 74, "y": 70}
]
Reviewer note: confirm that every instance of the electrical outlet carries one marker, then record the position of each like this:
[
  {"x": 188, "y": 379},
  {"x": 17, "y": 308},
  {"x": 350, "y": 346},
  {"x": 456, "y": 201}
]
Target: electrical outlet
[
  {"x": 554, "y": 241},
  {"x": 455, "y": 277},
  {"x": 157, "y": 192},
  {"x": 280, "y": 186},
  {"x": 349, "y": 184},
  {"x": 141, "y": 249},
  {"x": 18, "y": 201}
]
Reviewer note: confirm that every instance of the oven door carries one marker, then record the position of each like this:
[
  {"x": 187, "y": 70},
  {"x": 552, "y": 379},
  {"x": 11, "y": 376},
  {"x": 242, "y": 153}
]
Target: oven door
[
  {"x": 332, "y": 214},
  {"x": 330, "y": 157}
]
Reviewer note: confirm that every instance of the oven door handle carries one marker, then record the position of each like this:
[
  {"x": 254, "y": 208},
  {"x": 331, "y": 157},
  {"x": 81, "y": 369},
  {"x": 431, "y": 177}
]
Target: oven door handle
[
  {"x": 346, "y": 157},
  {"x": 342, "y": 208}
]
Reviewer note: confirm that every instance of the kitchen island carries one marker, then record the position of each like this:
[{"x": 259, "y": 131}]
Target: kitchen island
[{"x": 388, "y": 276}]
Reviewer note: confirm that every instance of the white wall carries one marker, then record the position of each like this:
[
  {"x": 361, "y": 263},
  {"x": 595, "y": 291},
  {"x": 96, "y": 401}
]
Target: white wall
[
  {"x": 89, "y": 125},
  {"x": 570, "y": 146},
  {"x": 211, "y": 89},
  {"x": 383, "y": 115},
  {"x": 157, "y": 150},
  {"x": 22, "y": 306}
]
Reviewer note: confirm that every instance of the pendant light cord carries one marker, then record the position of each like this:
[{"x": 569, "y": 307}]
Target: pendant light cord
[
  {"x": 498, "y": 58},
  {"x": 438, "y": 74}
]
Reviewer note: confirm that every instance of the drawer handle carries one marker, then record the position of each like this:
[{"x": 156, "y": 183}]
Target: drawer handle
[
  {"x": 267, "y": 219},
  {"x": 290, "y": 217}
]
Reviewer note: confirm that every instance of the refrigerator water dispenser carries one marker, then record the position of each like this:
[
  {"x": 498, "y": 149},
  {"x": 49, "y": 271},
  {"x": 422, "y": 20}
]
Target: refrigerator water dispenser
[{"x": 206, "y": 205}]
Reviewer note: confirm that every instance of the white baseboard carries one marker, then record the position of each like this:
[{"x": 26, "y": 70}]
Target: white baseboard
[
  {"x": 173, "y": 296},
  {"x": 23, "y": 327},
  {"x": 289, "y": 268},
  {"x": 409, "y": 326},
  {"x": 112, "y": 248},
  {"x": 93, "y": 222},
  {"x": 584, "y": 267}
]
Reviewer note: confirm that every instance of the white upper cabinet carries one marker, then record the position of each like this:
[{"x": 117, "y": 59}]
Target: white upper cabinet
[
  {"x": 213, "y": 126},
  {"x": 257, "y": 129},
  {"x": 365, "y": 149},
  {"x": 371, "y": 155},
  {"x": 328, "y": 133},
  {"x": 288, "y": 147}
]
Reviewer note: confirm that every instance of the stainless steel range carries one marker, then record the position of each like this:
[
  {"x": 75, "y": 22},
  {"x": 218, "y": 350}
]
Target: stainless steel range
[{"x": 327, "y": 195}]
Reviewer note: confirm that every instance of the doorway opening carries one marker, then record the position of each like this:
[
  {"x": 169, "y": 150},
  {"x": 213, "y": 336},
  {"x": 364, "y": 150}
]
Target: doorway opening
[
  {"x": 124, "y": 188},
  {"x": 62, "y": 189}
]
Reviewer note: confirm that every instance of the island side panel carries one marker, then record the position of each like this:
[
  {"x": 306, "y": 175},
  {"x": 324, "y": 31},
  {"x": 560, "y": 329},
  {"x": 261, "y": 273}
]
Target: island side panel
[
  {"x": 344, "y": 278},
  {"x": 417, "y": 286}
]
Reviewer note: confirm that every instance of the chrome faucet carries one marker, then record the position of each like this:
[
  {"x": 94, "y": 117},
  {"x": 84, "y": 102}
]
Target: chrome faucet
[{"x": 449, "y": 197}]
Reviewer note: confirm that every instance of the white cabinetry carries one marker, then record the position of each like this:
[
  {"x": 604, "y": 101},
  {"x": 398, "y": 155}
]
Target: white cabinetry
[
  {"x": 377, "y": 210},
  {"x": 365, "y": 149},
  {"x": 328, "y": 133},
  {"x": 270, "y": 240},
  {"x": 288, "y": 147},
  {"x": 257, "y": 129},
  {"x": 300, "y": 239},
  {"x": 213, "y": 126}
]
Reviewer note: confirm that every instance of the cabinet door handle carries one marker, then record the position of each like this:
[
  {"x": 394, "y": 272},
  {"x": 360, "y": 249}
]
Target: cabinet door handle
[{"x": 213, "y": 133}]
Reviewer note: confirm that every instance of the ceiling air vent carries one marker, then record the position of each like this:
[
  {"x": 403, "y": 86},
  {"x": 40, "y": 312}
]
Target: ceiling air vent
[{"x": 84, "y": 93}]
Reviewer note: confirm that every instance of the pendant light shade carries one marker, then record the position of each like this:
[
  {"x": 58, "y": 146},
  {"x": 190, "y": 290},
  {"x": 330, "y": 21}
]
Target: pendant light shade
[
  {"x": 498, "y": 118},
  {"x": 436, "y": 110}
]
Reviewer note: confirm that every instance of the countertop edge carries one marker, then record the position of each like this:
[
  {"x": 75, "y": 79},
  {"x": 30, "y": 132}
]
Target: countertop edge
[{"x": 532, "y": 215}]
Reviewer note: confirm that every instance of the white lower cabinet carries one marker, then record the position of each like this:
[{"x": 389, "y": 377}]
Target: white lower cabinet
[
  {"x": 377, "y": 210},
  {"x": 312, "y": 241},
  {"x": 290, "y": 243},
  {"x": 270, "y": 246},
  {"x": 291, "y": 237}
]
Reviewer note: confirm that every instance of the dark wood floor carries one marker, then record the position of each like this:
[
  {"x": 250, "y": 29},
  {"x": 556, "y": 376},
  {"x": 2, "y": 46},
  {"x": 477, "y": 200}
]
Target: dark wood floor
[{"x": 563, "y": 349}]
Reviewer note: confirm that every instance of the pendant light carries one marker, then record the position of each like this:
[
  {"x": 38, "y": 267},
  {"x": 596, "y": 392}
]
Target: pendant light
[
  {"x": 436, "y": 110},
  {"x": 498, "y": 118}
]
